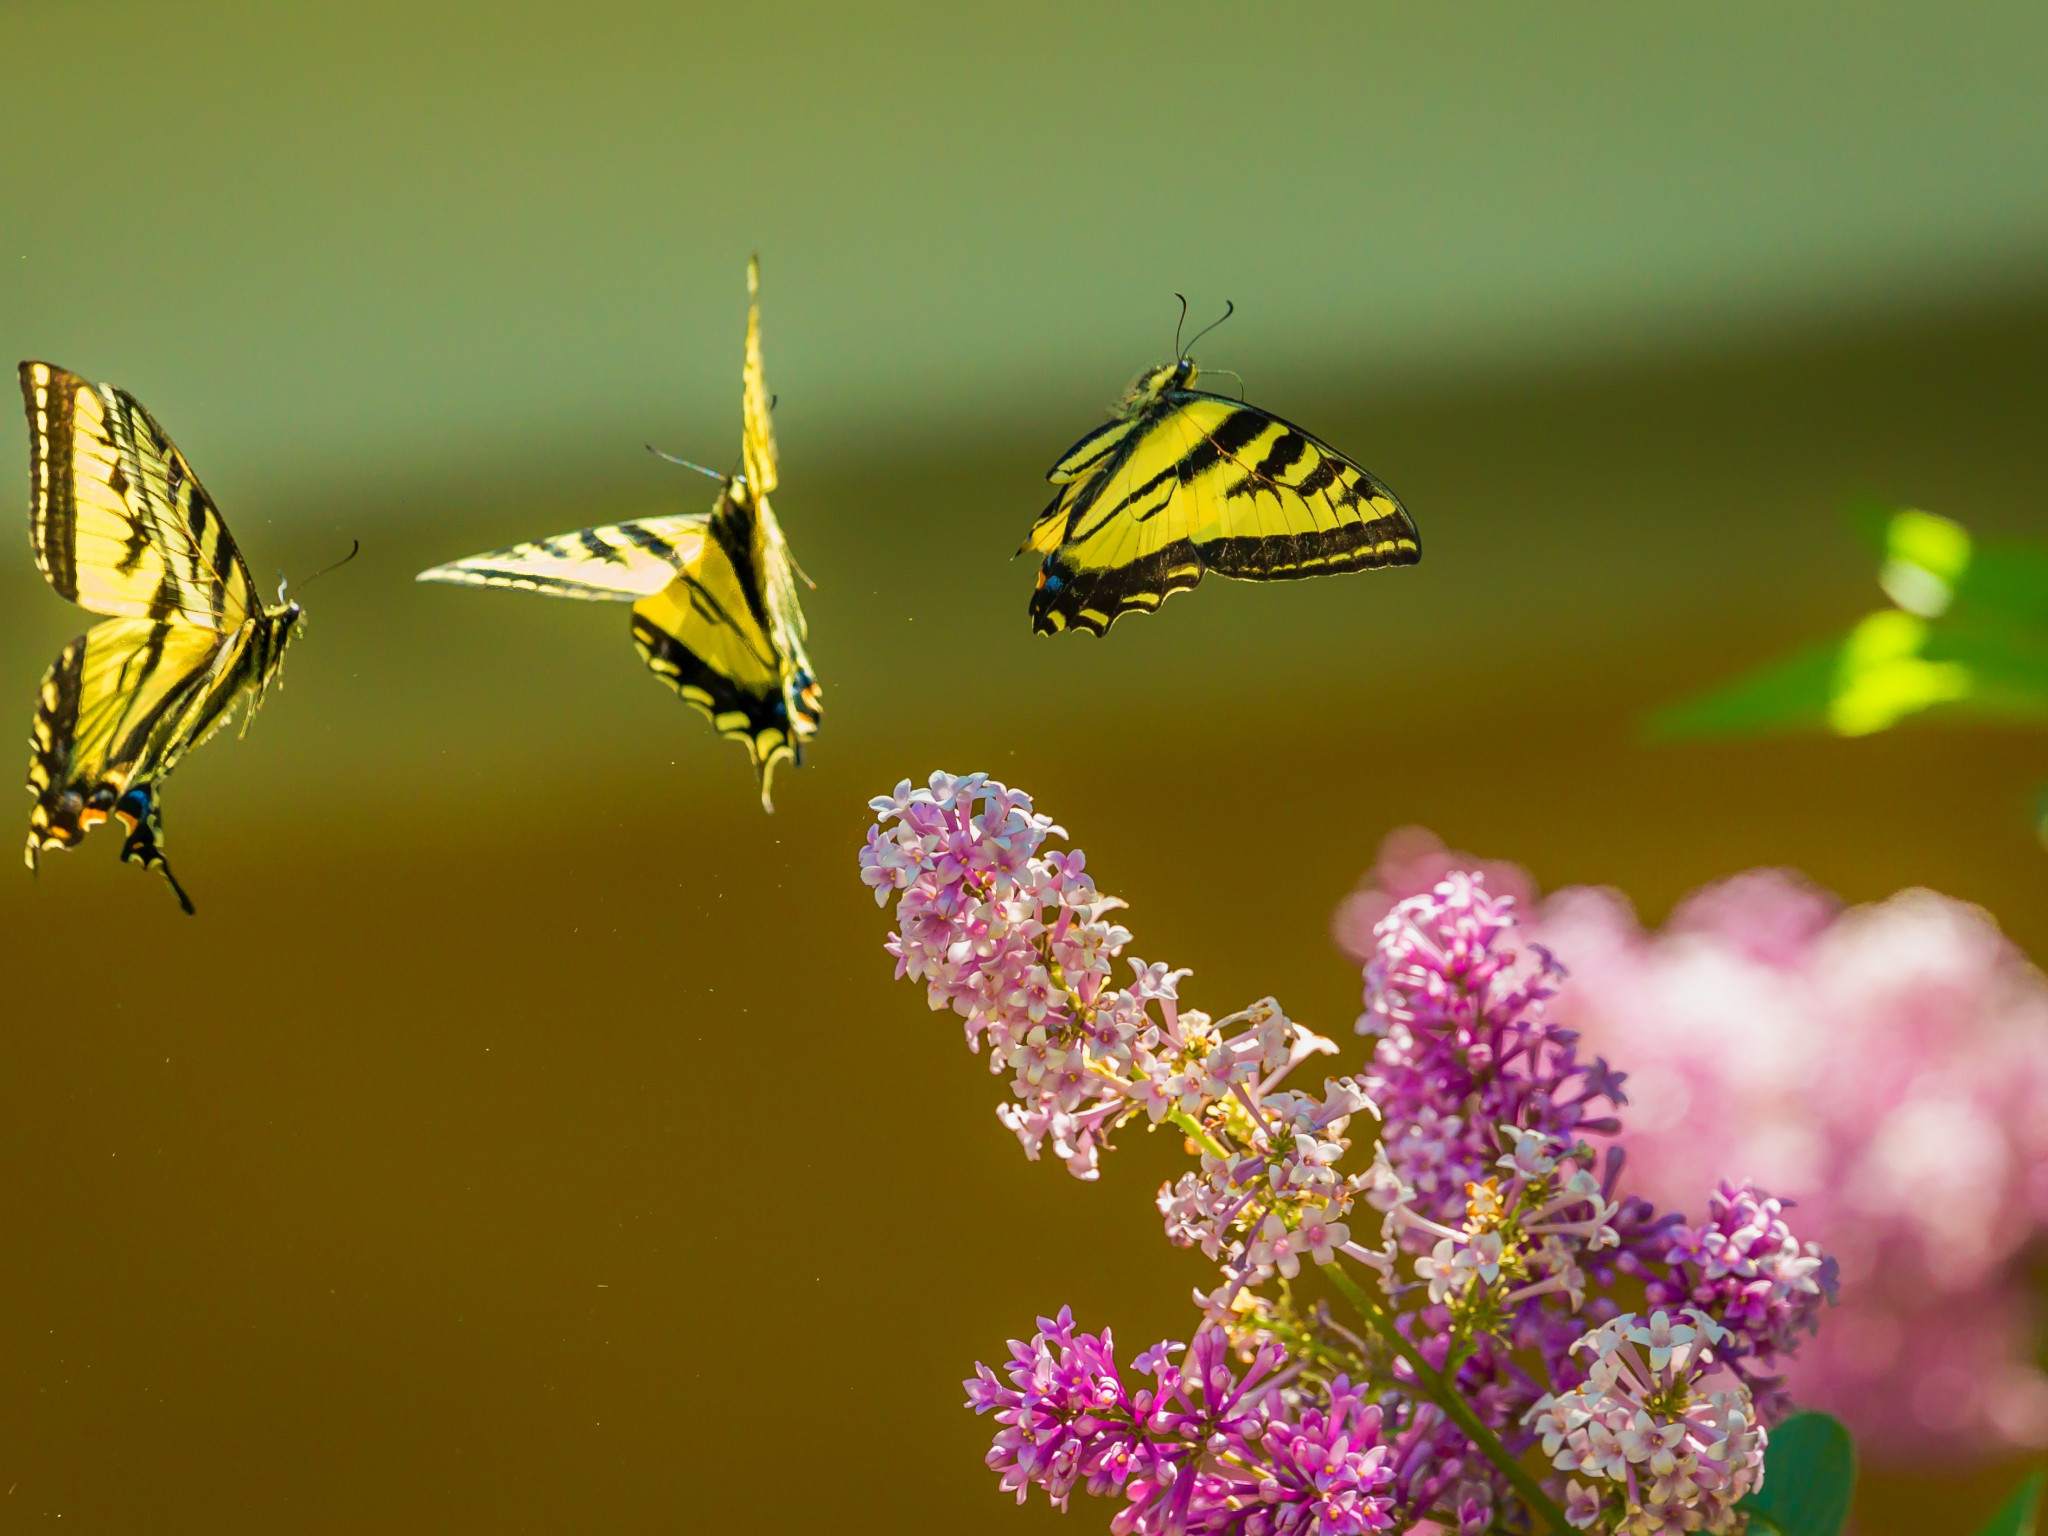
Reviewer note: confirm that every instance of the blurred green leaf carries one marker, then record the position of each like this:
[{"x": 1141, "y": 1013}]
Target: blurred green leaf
[
  {"x": 1969, "y": 637},
  {"x": 1809, "y": 1475},
  {"x": 2009, "y": 581},
  {"x": 1787, "y": 695},
  {"x": 1925, "y": 558},
  {"x": 1881, "y": 676},
  {"x": 2020, "y": 1512}
]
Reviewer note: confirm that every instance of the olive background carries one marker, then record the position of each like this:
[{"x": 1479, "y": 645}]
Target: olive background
[{"x": 527, "y": 1134}]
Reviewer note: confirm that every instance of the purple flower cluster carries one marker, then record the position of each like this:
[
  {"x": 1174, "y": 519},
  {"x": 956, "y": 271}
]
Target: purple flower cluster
[
  {"x": 1203, "y": 1450},
  {"x": 1501, "y": 1234},
  {"x": 1465, "y": 1045},
  {"x": 1743, "y": 1267}
]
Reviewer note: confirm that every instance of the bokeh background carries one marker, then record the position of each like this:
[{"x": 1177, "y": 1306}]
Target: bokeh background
[{"x": 527, "y": 1134}]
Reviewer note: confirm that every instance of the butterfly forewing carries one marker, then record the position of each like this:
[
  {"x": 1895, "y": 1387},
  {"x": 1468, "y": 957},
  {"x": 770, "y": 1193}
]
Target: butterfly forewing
[
  {"x": 757, "y": 443},
  {"x": 623, "y": 562},
  {"x": 119, "y": 523}
]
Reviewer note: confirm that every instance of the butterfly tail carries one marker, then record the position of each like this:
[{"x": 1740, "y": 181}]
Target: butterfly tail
[{"x": 140, "y": 813}]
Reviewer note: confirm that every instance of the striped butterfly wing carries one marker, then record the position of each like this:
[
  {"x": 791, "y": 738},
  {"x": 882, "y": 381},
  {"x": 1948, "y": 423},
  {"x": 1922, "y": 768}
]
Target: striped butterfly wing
[
  {"x": 710, "y": 636},
  {"x": 1199, "y": 482},
  {"x": 117, "y": 709},
  {"x": 119, "y": 522},
  {"x": 757, "y": 443},
  {"x": 620, "y": 563}
]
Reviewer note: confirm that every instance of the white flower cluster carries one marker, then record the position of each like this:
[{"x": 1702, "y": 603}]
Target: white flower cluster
[
  {"x": 1530, "y": 1223},
  {"x": 1659, "y": 1454}
]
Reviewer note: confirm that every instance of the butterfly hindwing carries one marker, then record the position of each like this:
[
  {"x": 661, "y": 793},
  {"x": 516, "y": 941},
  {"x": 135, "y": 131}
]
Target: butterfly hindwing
[
  {"x": 119, "y": 523},
  {"x": 1189, "y": 482},
  {"x": 117, "y": 709},
  {"x": 620, "y": 563},
  {"x": 715, "y": 635}
]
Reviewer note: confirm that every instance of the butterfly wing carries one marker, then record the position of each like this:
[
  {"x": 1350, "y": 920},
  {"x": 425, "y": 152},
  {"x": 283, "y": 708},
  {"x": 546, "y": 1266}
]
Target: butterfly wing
[
  {"x": 710, "y": 636},
  {"x": 757, "y": 447},
  {"x": 1196, "y": 483},
  {"x": 117, "y": 709},
  {"x": 621, "y": 563},
  {"x": 119, "y": 522}
]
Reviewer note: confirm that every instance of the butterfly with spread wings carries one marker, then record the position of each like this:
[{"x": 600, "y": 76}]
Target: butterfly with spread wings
[
  {"x": 715, "y": 611},
  {"x": 1181, "y": 482},
  {"x": 122, "y": 526}
]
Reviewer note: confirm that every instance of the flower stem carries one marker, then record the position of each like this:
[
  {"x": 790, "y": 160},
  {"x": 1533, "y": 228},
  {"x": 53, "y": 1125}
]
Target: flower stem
[
  {"x": 1444, "y": 1394},
  {"x": 1200, "y": 1137}
]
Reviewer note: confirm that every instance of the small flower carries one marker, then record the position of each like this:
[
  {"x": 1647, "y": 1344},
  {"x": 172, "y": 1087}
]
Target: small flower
[
  {"x": 1278, "y": 1247},
  {"x": 1582, "y": 1504},
  {"x": 1322, "y": 1232}
]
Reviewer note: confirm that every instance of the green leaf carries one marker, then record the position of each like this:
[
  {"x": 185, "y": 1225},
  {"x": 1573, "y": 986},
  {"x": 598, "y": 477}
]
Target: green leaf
[
  {"x": 1788, "y": 695},
  {"x": 1809, "y": 1475},
  {"x": 1925, "y": 559},
  {"x": 2020, "y": 1512}
]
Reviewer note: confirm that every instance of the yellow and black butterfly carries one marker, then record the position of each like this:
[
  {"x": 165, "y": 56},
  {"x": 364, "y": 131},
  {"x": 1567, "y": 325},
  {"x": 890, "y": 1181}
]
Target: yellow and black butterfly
[
  {"x": 1182, "y": 482},
  {"x": 715, "y": 611},
  {"x": 122, "y": 526}
]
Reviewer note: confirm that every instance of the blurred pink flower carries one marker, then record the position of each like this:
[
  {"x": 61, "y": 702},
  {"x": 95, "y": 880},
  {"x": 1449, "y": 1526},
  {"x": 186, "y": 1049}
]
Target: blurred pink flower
[
  {"x": 1886, "y": 1066},
  {"x": 1412, "y": 860}
]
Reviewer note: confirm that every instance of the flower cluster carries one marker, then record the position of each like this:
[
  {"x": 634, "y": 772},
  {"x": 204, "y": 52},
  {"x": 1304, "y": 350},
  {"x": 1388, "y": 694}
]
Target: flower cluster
[
  {"x": 1679, "y": 1457},
  {"x": 1744, "y": 1266},
  {"x": 1201, "y": 1450},
  {"x": 1501, "y": 1234}
]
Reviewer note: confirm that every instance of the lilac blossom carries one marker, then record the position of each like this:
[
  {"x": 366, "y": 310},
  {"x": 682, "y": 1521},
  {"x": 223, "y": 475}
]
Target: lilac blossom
[
  {"x": 1500, "y": 1230},
  {"x": 1202, "y": 1450},
  {"x": 1673, "y": 1454}
]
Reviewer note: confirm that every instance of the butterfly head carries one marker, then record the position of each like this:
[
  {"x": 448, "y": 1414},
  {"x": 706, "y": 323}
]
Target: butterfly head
[{"x": 1166, "y": 378}]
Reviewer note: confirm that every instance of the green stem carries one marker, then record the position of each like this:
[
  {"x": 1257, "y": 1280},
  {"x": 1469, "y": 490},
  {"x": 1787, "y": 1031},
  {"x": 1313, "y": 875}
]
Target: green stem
[
  {"x": 1444, "y": 1394},
  {"x": 1201, "y": 1138}
]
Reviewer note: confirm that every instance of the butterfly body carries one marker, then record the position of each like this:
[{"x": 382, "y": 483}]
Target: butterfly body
[
  {"x": 1181, "y": 482},
  {"x": 715, "y": 608},
  {"x": 121, "y": 526}
]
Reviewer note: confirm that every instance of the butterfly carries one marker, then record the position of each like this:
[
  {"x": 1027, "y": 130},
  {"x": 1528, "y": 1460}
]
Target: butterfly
[
  {"x": 1181, "y": 482},
  {"x": 715, "y": 610},
  {"x": 121, "y": 526}
]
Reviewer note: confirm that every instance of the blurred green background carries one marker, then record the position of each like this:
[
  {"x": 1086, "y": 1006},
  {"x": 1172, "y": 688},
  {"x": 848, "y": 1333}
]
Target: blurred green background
[{"x": 527, "y": 1135}]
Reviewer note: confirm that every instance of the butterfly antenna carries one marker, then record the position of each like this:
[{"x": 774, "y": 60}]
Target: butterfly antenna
[
  {"x": 355, "y": 547},
  {"x": 1183, "y": 320},
  {"x": 714, "y": 474},
  {"x": 1229, "y": 309}
]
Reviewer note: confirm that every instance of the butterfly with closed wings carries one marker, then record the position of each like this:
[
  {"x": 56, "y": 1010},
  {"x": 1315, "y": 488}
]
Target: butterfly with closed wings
[
  {"x": 1181, "y": 482},
  {"x": 715, "y": 610},
  {"x": 121, "y": 526}
]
